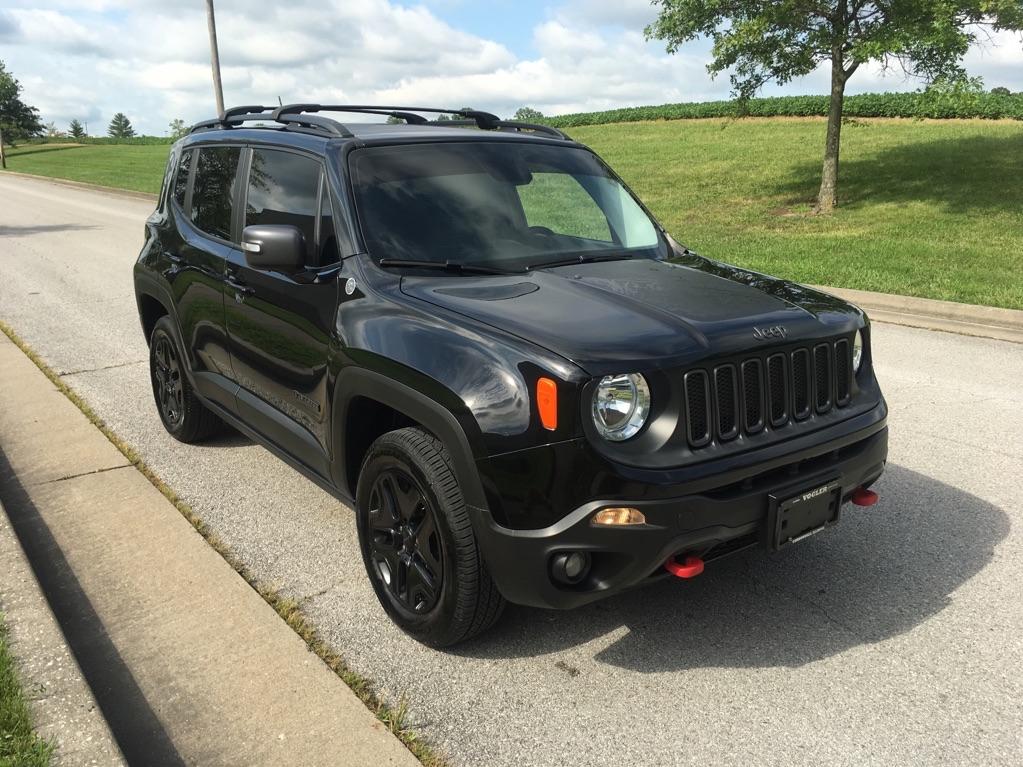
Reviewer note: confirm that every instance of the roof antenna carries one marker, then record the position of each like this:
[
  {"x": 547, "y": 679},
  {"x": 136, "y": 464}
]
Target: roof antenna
[{"x": 279, "y": 102}]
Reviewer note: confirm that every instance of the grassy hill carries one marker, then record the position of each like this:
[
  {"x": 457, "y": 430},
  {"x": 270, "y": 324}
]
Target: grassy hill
[{"x": 928, "y": 208}]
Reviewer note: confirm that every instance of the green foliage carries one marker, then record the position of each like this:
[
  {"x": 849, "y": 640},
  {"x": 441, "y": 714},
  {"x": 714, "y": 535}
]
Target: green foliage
[
  {"x": 1001, "y": 91},
  {"x": 19, "y": 745},
  {"x": 762, "y": 40},
  {"x": 76, "y": 130},
  {"x": 932, "y": 103},
  {"x": 177, "y": 129},
  {"x": 106, "y": 140},
  {"x": 120, "y": 127},
  {"x": 18, "y": 120},
  {"x": 528, "y": 115}
]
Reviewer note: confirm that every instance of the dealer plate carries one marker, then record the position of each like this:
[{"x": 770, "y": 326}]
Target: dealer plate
[{"x": 800, "y": 516}]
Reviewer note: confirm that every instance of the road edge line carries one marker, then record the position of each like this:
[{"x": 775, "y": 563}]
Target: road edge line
[
  {"x": 113, "y": 190},
  {"x": 288, "y": 609}
]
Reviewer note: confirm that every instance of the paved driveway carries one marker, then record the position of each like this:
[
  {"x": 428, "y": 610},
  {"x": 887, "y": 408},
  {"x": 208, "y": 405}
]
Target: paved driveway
[{"x": 897, "y": 638}]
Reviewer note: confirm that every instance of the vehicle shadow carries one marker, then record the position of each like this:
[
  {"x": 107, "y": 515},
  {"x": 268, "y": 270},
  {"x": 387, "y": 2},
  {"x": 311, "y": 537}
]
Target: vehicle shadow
[
  {"x": 974, "y": 173},
  {"x": 880, "y": 573},
  {"x": 19, "y": 231}
]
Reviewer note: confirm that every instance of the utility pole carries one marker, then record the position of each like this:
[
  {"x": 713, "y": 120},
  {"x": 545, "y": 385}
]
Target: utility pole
[
  {"x": 3, "y": 157},
  {"x": 218, "y": 88}
]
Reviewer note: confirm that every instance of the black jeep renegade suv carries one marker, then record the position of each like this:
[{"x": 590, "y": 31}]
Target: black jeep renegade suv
[{"x": 472, "y": 332}]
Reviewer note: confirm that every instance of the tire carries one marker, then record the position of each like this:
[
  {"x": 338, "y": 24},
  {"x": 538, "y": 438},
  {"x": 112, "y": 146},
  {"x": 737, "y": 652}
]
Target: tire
[
  {"x": 418, "y": 543},
  {"x": 184, "y": 417}
]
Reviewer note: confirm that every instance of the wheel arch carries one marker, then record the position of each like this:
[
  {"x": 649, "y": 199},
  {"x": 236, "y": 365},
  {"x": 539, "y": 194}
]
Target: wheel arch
[{"x": 368, "y": 404}]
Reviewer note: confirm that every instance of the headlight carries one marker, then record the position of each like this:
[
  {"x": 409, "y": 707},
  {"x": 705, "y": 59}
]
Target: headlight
[
  {"x": 857, "y": 351},
  {"x": 621, "y": 405}
]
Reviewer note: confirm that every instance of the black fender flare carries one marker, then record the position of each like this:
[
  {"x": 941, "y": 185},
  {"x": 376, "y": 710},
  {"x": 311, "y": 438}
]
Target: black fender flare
[
  {"x": 353, "y": 382},
  {"x": 147, "y": 285}
]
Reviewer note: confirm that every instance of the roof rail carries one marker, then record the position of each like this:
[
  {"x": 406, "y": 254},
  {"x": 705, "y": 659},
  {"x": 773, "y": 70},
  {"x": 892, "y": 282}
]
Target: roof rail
[
  {"x": 483, "y": 120},
  {"x": 303, "y": 117}
]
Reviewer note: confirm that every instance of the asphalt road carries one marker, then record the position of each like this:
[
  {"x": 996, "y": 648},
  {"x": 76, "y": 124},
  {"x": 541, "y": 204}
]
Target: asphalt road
[{"x": 896, "y": 638}]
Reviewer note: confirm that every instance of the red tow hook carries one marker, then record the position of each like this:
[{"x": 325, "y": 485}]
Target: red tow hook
[
  {"x": 863, "y": 497},
  {"x": 692, "y": 567}
]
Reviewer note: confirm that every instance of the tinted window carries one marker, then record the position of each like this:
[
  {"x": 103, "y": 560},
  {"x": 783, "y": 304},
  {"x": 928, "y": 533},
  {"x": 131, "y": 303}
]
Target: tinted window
[
  {"x": 283, "y": 189},
  {"x": 509, "y": 205},
  {"x": 181, "y": 180},
  {"x": 213, "y": 190}
]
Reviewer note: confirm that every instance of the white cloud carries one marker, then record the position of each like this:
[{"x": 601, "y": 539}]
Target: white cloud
[{"x": 87, "y": 58}]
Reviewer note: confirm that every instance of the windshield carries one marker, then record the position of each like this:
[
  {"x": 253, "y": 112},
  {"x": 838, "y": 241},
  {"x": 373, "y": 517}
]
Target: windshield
[{"x": 507, "y": 205}]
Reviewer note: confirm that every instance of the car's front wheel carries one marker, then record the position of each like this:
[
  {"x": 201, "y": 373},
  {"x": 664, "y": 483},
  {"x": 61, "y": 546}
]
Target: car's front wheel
[
  {"x": 181, "y": 412},
  {"x": 418, "y": 543}
]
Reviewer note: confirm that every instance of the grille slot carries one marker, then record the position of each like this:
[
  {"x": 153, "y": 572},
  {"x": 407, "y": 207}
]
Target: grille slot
[
  {"x": 697, "y": 390},
  {"x": 801, "y": 384},
  {"x": 752, "y": 396},
  {"x": 777, "y": 386},
  {"x": 727, "y": 395},
  {"x": 822, "y": 377},
  {"x": 843, "y": 368}
]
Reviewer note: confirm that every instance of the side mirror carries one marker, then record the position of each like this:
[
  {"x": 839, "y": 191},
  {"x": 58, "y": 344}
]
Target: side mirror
[{"x": 277, "y": 247}]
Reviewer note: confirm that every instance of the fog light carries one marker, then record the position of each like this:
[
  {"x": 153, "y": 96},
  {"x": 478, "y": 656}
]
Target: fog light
[
  {"x": 619, "y": 516},
  {"x": 570, "y": 567}
]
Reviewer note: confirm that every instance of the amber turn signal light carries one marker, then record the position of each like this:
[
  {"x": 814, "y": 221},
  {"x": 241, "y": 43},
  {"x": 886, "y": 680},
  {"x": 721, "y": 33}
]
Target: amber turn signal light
[
  {"x": 618, "y": 517},
  {"x": 547, "y": 403}
]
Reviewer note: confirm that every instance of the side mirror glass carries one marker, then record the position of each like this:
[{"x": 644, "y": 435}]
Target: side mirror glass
[{"x": 277, "y": 247}]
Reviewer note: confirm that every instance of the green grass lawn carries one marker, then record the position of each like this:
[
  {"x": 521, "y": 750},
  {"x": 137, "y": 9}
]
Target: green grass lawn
[
  {"x": 139, "y": 168},
  {"x": 928, "y": 208},
  {"x": 19, "y": 746}
]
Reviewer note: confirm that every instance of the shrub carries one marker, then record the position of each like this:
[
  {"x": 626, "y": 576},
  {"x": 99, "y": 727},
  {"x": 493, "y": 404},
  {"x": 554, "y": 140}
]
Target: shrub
[{"x": 936, "y": 103}]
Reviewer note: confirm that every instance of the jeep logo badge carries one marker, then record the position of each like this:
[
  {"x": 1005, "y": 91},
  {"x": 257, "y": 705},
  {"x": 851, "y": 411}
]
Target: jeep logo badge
[{"x": 766, "y": 334}]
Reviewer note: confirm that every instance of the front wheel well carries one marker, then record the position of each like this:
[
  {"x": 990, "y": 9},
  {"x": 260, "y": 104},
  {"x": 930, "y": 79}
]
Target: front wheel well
[
  {"x": 367, "y": 420},
  {"x": 150, "y": 311}
]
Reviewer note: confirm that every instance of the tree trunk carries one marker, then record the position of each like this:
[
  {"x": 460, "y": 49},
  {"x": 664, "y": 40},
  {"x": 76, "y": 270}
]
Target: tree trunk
[
  {"x": 827, "y": 198},
  {"x": 3, "y": 157}
]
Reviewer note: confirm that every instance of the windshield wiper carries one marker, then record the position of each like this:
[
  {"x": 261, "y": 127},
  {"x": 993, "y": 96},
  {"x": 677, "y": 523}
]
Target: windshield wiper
[
  {"x": 581, "y": 258},
  {"x": 448, "y": 266}
]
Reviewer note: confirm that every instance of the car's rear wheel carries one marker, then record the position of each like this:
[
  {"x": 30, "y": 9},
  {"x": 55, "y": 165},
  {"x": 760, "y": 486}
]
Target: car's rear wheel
[
  {"x": 181, "y": 412},
  {"x": 418, "y": 543}
]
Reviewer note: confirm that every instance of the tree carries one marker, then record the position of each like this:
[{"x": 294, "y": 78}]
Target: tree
[
  {"x": 76, "y": 129},
  {"x": 528, "y": 115},
  {"x": 178, "y": 128},
  {"x": 120, "y": 127},
  {"x": 1001, "y": 90},
  {"x": 763, "y": 40},
  {"x": 17, "y": 119},
  {"x": 52, "y": 131}
]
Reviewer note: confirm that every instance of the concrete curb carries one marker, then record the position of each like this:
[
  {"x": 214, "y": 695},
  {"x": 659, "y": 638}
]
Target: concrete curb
[
  {"x": 112, "y": 190},
  {"x": 187, "y": 662},
  {"x": 927, "y": 313},
  {"x": 64, "y": 710}
]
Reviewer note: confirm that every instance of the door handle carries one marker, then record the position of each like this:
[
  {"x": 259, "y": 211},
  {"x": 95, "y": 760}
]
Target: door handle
[{"x": 239, "y": 287}]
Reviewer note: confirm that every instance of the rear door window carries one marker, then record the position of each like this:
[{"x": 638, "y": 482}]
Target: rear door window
[
  {"x": 216, "y": 172},
  {"x": 284, "y": 189}
]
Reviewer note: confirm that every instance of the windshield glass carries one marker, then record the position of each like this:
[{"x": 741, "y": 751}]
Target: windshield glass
[{"x": 508, "y": 205}]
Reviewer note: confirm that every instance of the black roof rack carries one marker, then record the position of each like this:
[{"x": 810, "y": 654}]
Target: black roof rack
[{"x": 303, "y": 117}]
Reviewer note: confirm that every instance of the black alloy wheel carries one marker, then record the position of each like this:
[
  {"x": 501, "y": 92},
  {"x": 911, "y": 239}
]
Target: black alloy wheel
[
  {"x": 167, "y": 386},
  {"x": 405, "y": 546}
]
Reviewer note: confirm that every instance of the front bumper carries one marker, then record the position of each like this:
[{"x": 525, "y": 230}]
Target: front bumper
[{"x": 709, "y": 523}]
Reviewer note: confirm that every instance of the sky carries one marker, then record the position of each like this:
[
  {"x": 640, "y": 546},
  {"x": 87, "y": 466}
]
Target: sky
[{"x": 88, "y": 59}]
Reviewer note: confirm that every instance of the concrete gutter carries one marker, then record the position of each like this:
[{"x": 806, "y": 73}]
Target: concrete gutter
[
  {"x": 63, "y": 708},
  {"x": 188, "y": 664},
  {"x": 948, "y": 316}
]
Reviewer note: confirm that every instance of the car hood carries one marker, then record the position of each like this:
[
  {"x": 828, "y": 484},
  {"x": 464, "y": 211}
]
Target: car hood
[{"x": 616, "y": 316}]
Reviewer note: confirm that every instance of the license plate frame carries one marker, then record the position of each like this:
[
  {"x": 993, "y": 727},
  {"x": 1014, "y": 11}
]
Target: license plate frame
[{"x": 796, "y": 517}]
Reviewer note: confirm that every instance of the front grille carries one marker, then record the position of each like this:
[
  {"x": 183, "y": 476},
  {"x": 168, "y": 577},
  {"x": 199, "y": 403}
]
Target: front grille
[{"x": 725, "y": 401}]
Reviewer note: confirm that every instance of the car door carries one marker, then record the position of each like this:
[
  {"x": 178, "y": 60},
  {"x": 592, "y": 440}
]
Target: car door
[
  {"x": 279, "y": 324},
  {"x": 205, "y": 188}
]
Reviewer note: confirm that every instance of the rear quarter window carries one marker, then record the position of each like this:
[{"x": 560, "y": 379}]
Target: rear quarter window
[
  {"x": 213, "y": 191},
  {"x": 181, "y": 177}
]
